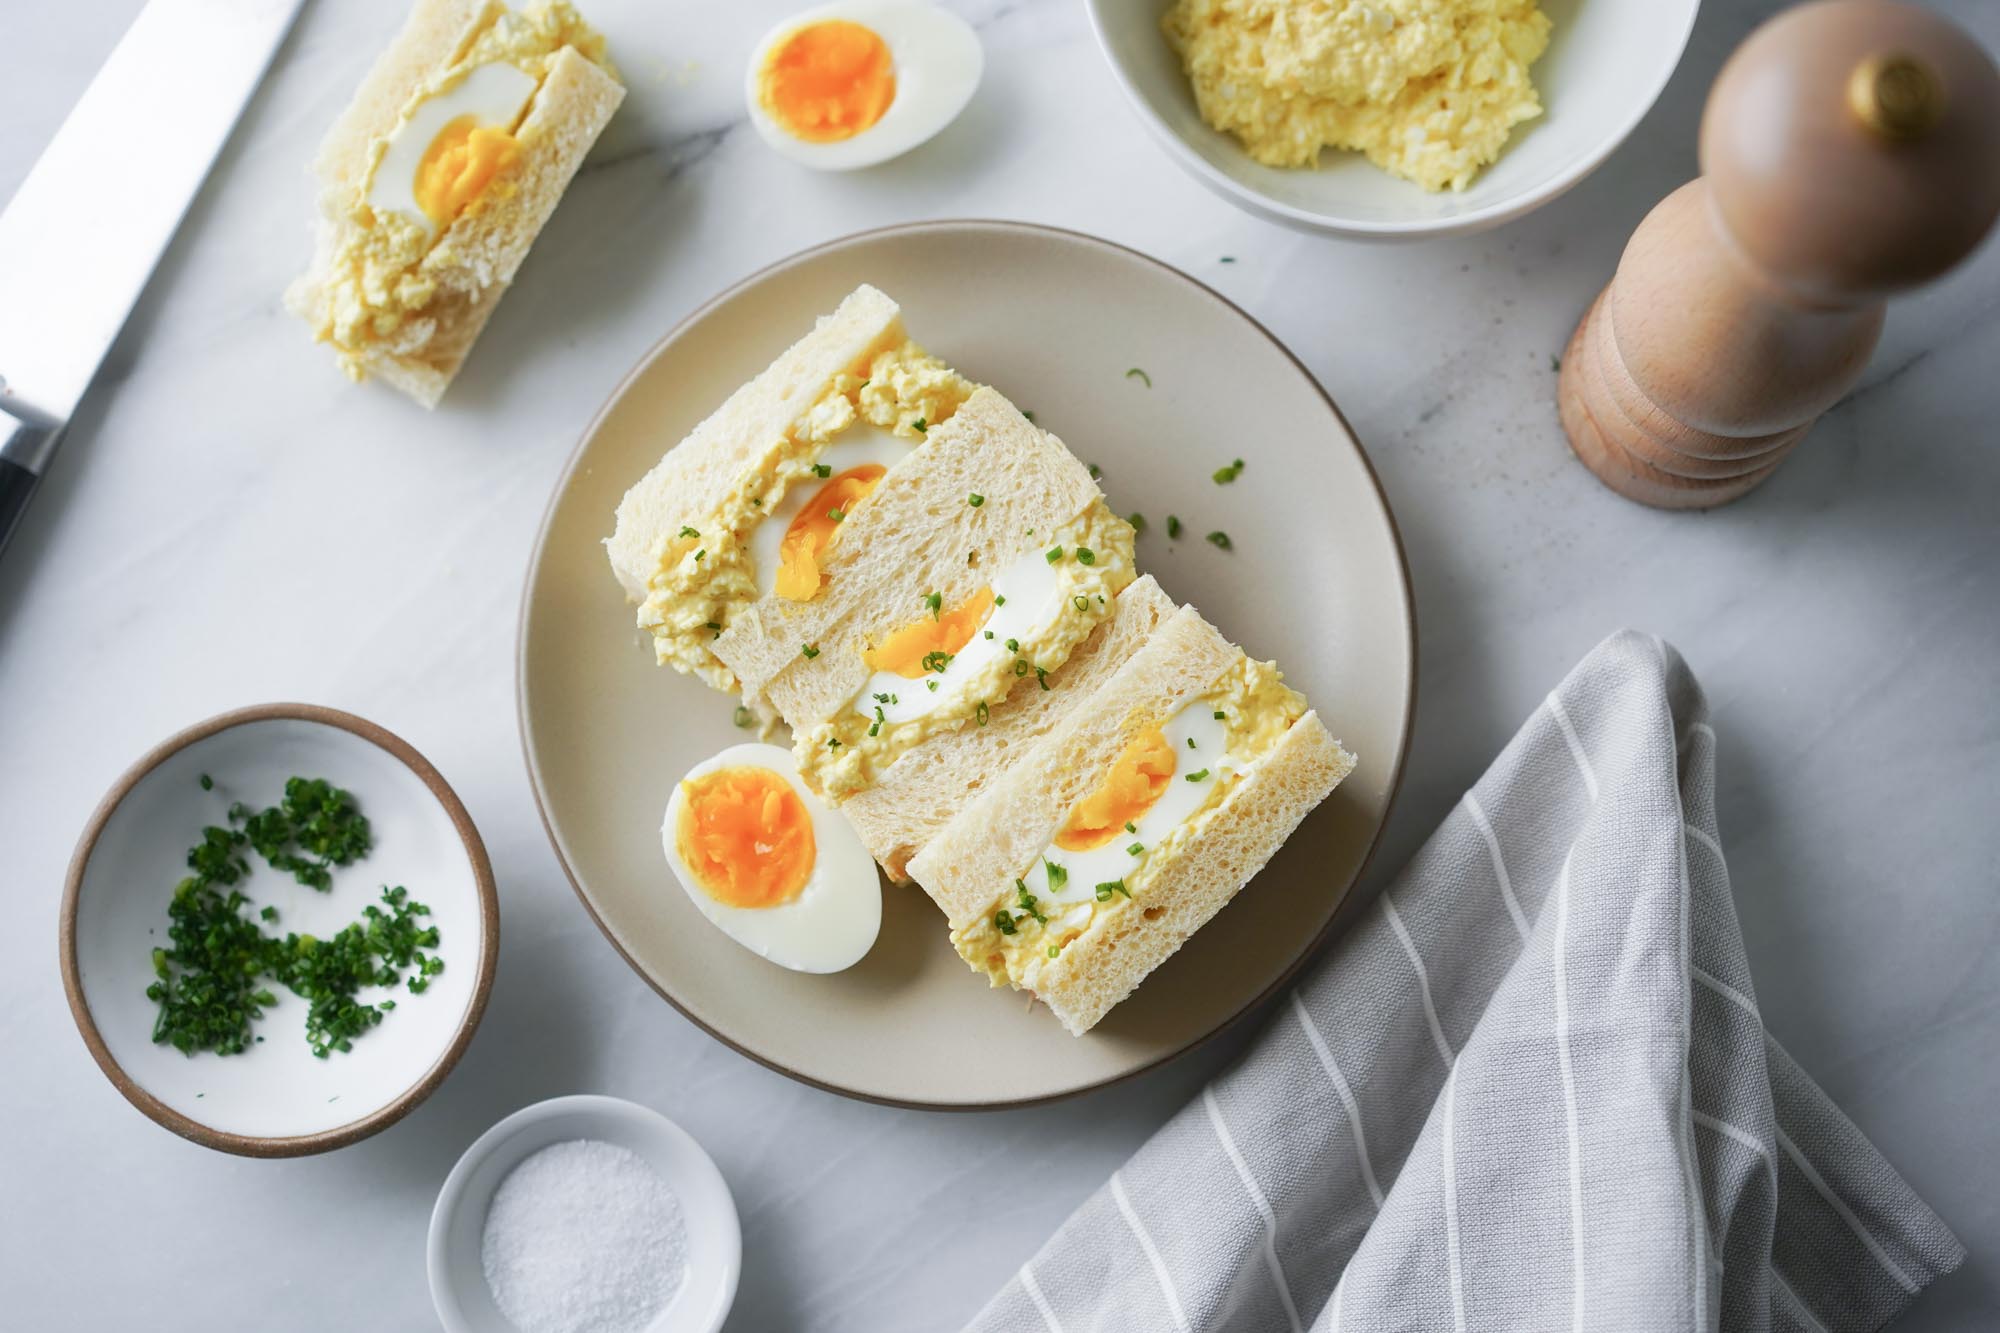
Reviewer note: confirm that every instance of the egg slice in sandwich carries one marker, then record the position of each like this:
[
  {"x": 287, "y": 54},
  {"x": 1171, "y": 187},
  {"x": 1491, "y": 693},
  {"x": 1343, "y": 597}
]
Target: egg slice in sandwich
[
  {"x": 976, "y": 568},
  {"x": 439, "y": 176},
  {"x": 1131, "y": 823},
  {"x": 740, "y": 518}
]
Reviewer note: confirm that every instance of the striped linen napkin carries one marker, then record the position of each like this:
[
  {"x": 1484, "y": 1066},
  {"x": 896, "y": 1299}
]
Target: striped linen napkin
[{"x": 1528, "y": 1090}]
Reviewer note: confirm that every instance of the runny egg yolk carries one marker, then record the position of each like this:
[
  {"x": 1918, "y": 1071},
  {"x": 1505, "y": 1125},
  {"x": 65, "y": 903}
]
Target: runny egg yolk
[
  {"x": 828, "y": 81},
  {"x": 812, "y": 529},
  {"x": 1138, "y": 778},
  {"x": 458, "y": 166},
  {"x": 925, "y": 644},
  {"x": 745, "y": 836}
]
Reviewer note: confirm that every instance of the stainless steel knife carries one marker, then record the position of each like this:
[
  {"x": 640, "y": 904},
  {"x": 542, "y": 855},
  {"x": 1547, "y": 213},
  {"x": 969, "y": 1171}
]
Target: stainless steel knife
[{"x": 81, "y": 237}]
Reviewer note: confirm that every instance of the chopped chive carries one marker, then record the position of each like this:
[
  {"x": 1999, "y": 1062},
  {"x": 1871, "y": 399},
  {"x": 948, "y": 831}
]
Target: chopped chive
[
  {"x": 1041, "y": 678},
  {"x": 1085, "y": 556},
  {"x": 1200, "y": 775},
  {"x": 808, "y": 652},
  {"x": 1221, "y": 716},
  {"x": 931, "y": 685},
  {"x": 934, "y": 601},
  {"x": 920, "y": 426},
  {"x": 1130, "y": 827},
  {"x": 1228, "y": 472},
  {"x": 1173, "y": 528},
  {"x": 1058, "y": 875},
  {"x": 833, "y": 743},
  {"x": 999, "y": 599},
  {"x": 744, "y": 716},
  {"x": 882, "y": 699},
  {"x": 1095, "y": 471},
  {"x": 1030, "y": 416},
  {"x": 268, "y": 913},
  {"x": 982, "y": 712},
  {"x": 1135, "y": 849},
  {"x": 1227, "y": 259},
  {"x": 836, "y": 515},
  {"x": 1014, "y": 646},
  {"x": 876, "y": 730},
  {"x": 687, "y": 531},
  {"x": 975, "y": 499},
  {"x": 1026, "y": 901},
  {"x": 1003, "y": 921},
  {"x": 822, "y": 470},
  {"x": 1137, "y": 374},
  {"x": 937, "y": 661},
  {"x": 989, "y": 633},
  {"x": 207, "y": 782},
  {"x": 1138, "y": 522},
  {"x": 699, "y": 554},
  {"x": 1190, "y": 742},
  {"x": 1021, "y": 666},
  {"x": 1055, "y": 950},
  {"x": 1219, "y": 540},
  {"x": 1054, "y": 554}
]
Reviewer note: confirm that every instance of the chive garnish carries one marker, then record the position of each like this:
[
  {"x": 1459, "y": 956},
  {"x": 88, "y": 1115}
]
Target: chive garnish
[
  {"x": 1095, "y": 471},
  {"x": 833, "y": 743},
  {"x": 1021, "y": 666},
  {"x": 1014, "y": 646},
  {"x": 1219, "y": 539},
  {"x": 999, "y": 599},
  {"x": 743, "y": 717},
  {"x": 1030, "y": 416},
  {"x": 1200, "y": 775},
  {"x": 1054, "y": 554},
  {"x": 1080, "y": 602},
  {"x": 1003, "y": 921},
  {"x": 1130, "y": 827},
  {"x": 975, "y": 499},
  {"x": 1085, "y": 556},
  {"x": 1041, "y": 678},
  {"x": 989, "y": 633},
  {"x": 876, "y": 730},
  {"x": 1137, "y": 374},
  {"x": 882, "y": 699},
  {"x": 935, "y": 601},
  {"x": 1221, "y": 716},
  {"x": 699, "y": 554},
  {"x": 920, "y": 426},
  {"x": 1055, "y": 950},
  {"x": 1026, "y": 901},
  {"x": 1190, "y": 742},
  {"x": 1137, "y": 521},
  {"x": 808, "y": 652},
  {"x": 1228, "y": 472},
  {"x": 836, "y": 515},
  {"x": 687, "y": 531},
  {"x": 982, "y": 712},
  {"x": 937, "y": 661},
  {"x": 1135, "y": 849},
  {"x": 1173, "y": 528},
  {"x": 1058, "y": 875},
  {"x": 822, "y": 470},
  {"x": 207, "y": 782}
]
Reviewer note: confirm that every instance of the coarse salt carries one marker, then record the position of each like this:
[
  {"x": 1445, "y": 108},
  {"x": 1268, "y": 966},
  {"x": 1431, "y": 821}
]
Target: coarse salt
[{"x": 583, "y": 1237}]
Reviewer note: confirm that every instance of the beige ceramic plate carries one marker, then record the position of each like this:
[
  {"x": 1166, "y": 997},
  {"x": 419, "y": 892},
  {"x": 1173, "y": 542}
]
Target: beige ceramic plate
[{"x": 1056, "y": 321}]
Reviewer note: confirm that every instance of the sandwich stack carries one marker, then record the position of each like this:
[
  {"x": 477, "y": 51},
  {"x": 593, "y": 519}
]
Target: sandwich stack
[{"x": 932, "y": 593}]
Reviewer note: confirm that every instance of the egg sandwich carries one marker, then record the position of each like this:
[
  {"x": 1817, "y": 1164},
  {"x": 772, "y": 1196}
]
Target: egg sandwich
[
  {"x": 1089, "y": 860},
  {"x": 737, "y": 521},
  {"x": 439, "y": 176},
  {"x": 976, "y": 568}
]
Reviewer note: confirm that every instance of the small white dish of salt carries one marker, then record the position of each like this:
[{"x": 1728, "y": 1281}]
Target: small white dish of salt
[{"x": 584, "y": 1215}]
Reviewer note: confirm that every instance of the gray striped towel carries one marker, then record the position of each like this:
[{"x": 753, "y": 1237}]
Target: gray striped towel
[{"x": 1528, "y": 1090}]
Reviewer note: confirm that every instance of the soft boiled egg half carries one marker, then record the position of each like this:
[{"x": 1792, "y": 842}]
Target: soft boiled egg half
[
  {"x": 769, "y": 863},
  {"x": 450, "y": 146},
  {"x": 855, "y": 83}
]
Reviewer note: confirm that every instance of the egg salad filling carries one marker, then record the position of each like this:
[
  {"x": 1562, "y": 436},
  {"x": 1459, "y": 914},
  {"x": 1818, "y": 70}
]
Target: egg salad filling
[
  {"x": 1114, "y": 843},
  {"x": 1428, "y": 89},
  {"x": 711, "y": 567},
  {"x": 449, "y": 156},
  {"x": 951, "y": 664}
]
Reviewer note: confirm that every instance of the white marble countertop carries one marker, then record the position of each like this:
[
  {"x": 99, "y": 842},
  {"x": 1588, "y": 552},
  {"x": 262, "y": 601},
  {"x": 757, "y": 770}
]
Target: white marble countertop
[{"x": 231, "y": 522}]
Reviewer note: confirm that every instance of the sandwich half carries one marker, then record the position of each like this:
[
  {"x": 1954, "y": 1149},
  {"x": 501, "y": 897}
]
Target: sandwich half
[
  {"x": 911, "y": 802},
  {"x": 1147, "y": 807},
  {"x": 439, "y": 176},
  {"x": 973, "y": 572},
  {"x": 736, "y": 522}
]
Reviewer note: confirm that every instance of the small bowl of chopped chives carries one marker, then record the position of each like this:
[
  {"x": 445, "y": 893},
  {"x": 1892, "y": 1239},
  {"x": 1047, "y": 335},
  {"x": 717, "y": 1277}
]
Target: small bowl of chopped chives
[
  {"x": 279, "y": 931},
  {"x": 584, "y": 1212}
]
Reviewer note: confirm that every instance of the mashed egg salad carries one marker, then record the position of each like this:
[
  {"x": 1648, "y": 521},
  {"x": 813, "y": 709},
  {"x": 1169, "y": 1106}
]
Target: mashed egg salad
[{"x": 1428, "y": 89}]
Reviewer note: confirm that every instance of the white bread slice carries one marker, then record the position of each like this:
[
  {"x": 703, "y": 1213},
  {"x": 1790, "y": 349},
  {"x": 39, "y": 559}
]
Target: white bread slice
[
  {"x": 916, "y": 535},
  {"x": 475, "y": 259},
  {"x": 971, "y": 861},
  {"x": 698, "y": 475},
  {"x": 923, "y": 790}
]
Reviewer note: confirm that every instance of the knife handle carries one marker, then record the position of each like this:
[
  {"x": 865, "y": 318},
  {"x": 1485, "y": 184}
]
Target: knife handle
[{"x": 17, "y": 484}]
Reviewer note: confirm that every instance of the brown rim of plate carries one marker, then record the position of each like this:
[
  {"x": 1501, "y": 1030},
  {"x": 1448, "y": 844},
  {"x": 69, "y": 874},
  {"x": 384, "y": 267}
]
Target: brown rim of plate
[
  {"x": 909, "y": 229},
  {"x": 244, "y": 1145}
]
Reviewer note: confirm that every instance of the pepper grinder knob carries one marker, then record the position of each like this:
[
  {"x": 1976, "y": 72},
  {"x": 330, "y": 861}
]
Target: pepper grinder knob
[{"x": 1850, "y": 151}]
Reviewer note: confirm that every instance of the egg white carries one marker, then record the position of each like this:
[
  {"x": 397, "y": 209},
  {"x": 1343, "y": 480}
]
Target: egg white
[
  {"x": 858, "y": 444},
  {"x": 1034, "y": 600},
  {"x": 938, "y": 62},
  {"x": 1101, "y": 865},
  {"x": 833, "y": 922},
  {"x": 495, "y": 94}
]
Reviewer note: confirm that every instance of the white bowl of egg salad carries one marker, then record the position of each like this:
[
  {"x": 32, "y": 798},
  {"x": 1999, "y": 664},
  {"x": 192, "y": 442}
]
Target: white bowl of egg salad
[{"x": 1392, "y": 118}]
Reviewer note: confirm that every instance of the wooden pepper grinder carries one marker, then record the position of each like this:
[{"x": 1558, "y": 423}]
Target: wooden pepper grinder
[{"x": 1851, "y": 150}]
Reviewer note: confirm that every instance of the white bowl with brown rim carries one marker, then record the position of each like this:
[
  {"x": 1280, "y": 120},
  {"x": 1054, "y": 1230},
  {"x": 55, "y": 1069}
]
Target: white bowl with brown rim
[{"x": 277, "y": 1099}]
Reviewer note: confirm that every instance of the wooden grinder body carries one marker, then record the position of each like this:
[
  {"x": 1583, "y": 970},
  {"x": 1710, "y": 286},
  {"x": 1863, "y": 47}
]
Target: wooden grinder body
[{"x": 1850, "y": 150}]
